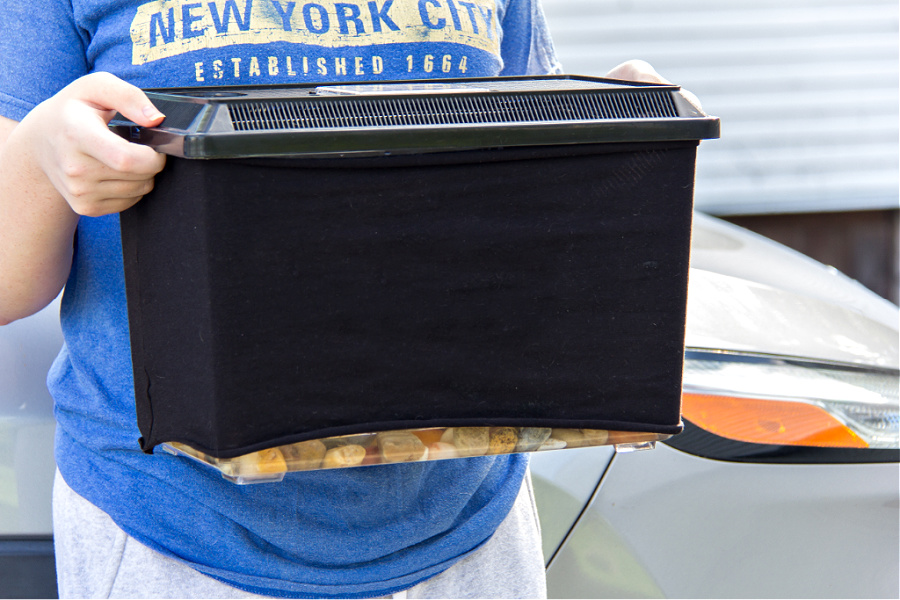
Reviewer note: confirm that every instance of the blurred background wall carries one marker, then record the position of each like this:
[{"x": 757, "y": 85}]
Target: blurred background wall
[{"x": 807, "y": 92}]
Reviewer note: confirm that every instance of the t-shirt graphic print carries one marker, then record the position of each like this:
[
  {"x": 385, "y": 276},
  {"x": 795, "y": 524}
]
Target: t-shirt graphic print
[{"x": 266, "y": 41}]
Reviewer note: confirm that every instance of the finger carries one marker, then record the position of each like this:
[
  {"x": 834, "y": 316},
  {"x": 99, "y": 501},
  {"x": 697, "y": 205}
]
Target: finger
[
  {"x": 636, "y": 70},
  {"x": 109, "y": 175},
  {"x": 85, "y": 132},
  {"x": 107, "y": 206},
  {"x": 83, "y": 190},
  {"x": 108, "y": 93},
  {"x": 98, "y": 163},
  {"x": 84, "y": 178},
  {"x": 126, "y": 159},
  {"x": 106, "y": 197},
  {"x": 121, "y": 188},
  {"x": 692, "y": 98}
]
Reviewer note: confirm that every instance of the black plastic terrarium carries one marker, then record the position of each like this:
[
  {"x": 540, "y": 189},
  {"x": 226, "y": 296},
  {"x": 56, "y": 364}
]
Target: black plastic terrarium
[{"x": 351, "y": 274}]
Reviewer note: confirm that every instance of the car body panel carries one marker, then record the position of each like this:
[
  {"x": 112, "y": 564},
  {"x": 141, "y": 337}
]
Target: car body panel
[
  {"x": 688, "y": 527},
  {"x": 796, "y": 324},
  {"x": 722, "y": 247},
  {"x": 565, "y": 481},
  {"x": 811, "y": 310}
]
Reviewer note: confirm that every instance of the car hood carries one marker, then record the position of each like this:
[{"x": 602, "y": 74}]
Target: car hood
[{"x": 747, "y": 293}]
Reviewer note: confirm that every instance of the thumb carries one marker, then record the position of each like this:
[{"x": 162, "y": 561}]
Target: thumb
[
  {"x": 109, "y": 94},
  {"x": 636, "y": 70}
]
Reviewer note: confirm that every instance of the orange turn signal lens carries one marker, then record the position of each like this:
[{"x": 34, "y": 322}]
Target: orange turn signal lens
[{"x": 759, "y": 421}]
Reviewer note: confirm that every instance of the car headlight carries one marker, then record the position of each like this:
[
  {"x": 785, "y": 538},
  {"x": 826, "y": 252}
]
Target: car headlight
[{"x": 779, "y": 402}]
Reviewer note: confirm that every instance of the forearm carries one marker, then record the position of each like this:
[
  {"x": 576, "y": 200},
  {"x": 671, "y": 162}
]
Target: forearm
[{"x": 36, "y": 230}]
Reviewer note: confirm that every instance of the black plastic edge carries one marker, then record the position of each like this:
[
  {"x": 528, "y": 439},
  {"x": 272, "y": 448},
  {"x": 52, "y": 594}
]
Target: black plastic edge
[
  {"x": 699, "y": 442},
  {"x": 415, "y": 139},
  {"x": 162, "y": 140}
]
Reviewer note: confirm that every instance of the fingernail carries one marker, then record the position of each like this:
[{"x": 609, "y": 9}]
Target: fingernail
[{"x": 152, "y": 113}]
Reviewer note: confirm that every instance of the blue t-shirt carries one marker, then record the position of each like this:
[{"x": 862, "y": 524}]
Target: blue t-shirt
[{"x": 346, "y": 533}]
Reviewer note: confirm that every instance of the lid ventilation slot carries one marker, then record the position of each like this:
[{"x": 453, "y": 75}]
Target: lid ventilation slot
[{"x": 464, "y": 109}]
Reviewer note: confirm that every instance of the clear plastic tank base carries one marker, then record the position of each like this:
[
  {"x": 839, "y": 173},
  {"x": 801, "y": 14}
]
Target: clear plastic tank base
[{"x": 410, "y": 445}]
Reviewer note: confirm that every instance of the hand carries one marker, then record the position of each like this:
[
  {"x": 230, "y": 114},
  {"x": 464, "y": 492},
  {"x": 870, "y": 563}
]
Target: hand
[
  {"x": 636, "y": 70},
  {"x": 94, "y": 170},
  {"x": 642, "y": 71}
]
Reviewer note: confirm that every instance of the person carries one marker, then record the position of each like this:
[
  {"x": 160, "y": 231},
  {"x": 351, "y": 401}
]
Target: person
[{"x": 128, "y": 524}]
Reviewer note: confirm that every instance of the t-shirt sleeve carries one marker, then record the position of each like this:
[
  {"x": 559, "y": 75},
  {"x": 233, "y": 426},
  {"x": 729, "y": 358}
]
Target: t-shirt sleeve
[
  {"x": 527, "y": 47},
  {"x": 41, "y": 51}
]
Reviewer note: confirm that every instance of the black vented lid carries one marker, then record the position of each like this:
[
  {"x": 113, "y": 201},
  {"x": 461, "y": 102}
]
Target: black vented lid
[{"x": 416, "y": 116}]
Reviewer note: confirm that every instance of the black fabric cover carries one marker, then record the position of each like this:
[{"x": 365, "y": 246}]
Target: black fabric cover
[{"x": 278, "y": 300}]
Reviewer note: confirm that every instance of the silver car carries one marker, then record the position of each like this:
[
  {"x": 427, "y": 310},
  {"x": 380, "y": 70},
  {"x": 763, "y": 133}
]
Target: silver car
[{"x": 785, "y": 482}]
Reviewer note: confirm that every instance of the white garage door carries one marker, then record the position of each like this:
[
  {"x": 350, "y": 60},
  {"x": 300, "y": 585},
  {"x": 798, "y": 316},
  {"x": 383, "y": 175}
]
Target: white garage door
[{"x": 807, "y": 91}]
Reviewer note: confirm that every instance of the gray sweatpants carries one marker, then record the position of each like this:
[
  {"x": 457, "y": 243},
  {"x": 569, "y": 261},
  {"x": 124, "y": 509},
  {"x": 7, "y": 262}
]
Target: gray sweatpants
[{"x": 96, "y": 559}]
